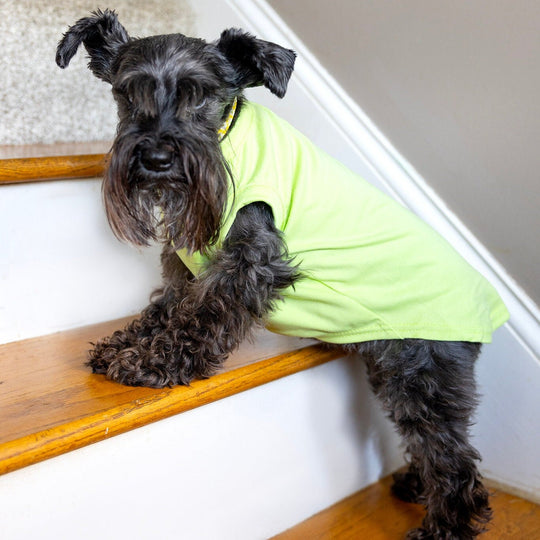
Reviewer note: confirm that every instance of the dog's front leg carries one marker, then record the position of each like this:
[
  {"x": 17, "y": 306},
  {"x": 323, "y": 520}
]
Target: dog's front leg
[
  {"x": 131, "y": 345},
  {"x": 235, "y": 293}
]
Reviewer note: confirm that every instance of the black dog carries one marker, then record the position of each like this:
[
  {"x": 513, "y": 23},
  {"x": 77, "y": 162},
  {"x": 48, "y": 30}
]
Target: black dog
[{"x": 237, "y": 254}]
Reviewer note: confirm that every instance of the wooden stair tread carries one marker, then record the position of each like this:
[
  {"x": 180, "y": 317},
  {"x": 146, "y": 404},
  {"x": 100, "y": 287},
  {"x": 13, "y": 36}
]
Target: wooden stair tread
[
  {"x": 50, "y": 402},
  {"x": 375, "y": 514},
  {"x": 61, "y": 161},
  {"x": 25, "y": 170}
]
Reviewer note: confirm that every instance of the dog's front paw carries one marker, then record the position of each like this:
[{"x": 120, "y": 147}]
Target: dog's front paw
[
  {"x": 155, "y": 361},
  {"x": 105, "y": 351},
  {"x": 135, "y": 368},
  {"x": 137, "y": 335},
  {"x": 155, "y": 366},
  {"x": 141, "y": 366}
]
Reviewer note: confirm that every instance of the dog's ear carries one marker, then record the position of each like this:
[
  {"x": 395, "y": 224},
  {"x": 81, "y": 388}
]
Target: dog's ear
[
  {"x": 102, "y": 36},
  {"x": 257, "y": 62}
]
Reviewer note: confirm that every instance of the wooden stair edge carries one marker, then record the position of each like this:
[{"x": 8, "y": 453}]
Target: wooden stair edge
[
  {"x": 100, "y": 408},
  {"x": 38, "y": 169}
]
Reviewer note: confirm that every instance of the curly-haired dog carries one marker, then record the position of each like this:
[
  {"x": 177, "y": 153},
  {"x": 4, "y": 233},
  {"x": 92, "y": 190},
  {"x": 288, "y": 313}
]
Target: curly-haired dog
[{"x": 261, "y": 228}]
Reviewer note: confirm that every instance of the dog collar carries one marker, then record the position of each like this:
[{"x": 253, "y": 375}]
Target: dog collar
[{"x": 223, "y": 130}]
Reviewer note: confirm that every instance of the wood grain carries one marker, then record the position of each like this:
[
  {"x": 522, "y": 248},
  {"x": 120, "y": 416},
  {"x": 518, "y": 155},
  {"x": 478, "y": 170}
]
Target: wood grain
[
  {"x": 373, "y": 513},
  {"x": 50, "y": 403},
  {"x": 37, "y": 169}
]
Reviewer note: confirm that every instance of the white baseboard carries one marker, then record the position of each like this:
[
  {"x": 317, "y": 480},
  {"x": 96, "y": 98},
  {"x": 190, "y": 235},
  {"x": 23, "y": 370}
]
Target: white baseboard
[{"x": 392, "y": 169}]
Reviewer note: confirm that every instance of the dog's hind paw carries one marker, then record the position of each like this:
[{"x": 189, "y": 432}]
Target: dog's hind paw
[
  {"x": 443, "y": 533},
  {"x": 408, "y": 487},
  {"x": 422, "y": 534}
]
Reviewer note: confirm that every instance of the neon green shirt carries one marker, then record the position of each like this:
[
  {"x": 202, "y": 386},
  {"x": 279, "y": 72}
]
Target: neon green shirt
[{"x": 371, "y": 269}]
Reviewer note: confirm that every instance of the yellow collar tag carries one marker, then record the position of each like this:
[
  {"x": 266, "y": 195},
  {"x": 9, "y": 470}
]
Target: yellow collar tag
[{"x": 222, "y": 131}]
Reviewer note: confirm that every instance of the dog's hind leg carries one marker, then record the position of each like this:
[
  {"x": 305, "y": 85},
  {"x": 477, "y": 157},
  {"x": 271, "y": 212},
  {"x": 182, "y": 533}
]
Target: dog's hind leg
[
  {"x": 215, "y": 312},
  {"x": 428, "y": 390}
]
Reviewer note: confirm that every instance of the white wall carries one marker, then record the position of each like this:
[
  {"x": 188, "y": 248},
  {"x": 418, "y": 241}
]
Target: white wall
[{"x": 61, "y": 267}]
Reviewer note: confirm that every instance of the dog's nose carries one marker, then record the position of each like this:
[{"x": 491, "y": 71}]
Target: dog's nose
[{"x": 157, "y": 159}]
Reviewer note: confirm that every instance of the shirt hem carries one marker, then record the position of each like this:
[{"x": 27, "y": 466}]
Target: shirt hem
[{"x": 360, "y": 336}]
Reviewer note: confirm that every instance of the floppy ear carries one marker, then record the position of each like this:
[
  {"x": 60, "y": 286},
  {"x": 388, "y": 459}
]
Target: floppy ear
[
  {"x": 257, "y": 62},
  {"x": 101, "y": 34}
]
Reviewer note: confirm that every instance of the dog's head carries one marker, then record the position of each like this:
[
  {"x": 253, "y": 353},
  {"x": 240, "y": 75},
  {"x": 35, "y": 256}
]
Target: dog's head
[{"x": 167, "y": 178}]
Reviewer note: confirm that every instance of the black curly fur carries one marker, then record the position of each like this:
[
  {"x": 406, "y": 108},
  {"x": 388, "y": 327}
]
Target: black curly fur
[
  {"x": 429, "y": 392},
  {"x": 168, "y": 181}
]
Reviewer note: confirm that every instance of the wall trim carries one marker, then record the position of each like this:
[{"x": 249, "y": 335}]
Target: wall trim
[{"x": 392, "y": 169}]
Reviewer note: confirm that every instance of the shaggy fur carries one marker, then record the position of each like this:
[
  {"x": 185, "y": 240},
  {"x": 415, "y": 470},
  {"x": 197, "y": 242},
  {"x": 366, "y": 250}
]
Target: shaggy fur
[{"x": 167, "y": 181}]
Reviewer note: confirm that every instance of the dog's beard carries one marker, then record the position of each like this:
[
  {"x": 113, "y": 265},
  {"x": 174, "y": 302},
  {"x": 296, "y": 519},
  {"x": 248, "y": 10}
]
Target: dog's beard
[{"x": 184, "y": 206}]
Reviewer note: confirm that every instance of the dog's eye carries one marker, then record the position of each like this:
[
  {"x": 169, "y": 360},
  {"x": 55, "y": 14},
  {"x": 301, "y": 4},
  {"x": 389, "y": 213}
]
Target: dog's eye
[
  {"x": 122, "y": 94},
  {"x": 128, "y": 97},
  {"x": 200, "y": 104}
]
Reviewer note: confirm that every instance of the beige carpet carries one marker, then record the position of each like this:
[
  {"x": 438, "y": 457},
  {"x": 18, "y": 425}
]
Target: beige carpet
[{"x": 39, "y": 102}]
